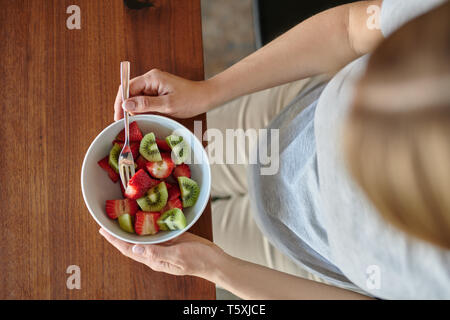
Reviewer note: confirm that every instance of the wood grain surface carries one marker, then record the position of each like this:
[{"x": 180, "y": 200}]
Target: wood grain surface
[{"x": 57, "y": 88}]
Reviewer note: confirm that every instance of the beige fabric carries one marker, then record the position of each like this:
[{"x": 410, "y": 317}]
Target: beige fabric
[{"x": 234, "y": 229}]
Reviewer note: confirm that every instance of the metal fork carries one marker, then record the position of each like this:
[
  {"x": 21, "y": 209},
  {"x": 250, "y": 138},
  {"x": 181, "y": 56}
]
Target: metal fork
[{"x": 126, "y": 162}]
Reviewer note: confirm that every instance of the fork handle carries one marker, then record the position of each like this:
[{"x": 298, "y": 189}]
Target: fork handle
[{"x": 125, "y": 84}]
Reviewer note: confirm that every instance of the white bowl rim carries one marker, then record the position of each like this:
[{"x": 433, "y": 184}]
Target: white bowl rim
[{"x": 175, "y": 233}]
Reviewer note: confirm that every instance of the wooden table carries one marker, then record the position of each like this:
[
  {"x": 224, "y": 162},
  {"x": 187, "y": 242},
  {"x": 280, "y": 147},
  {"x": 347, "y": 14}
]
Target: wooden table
[{"x": 57, "y": 88}]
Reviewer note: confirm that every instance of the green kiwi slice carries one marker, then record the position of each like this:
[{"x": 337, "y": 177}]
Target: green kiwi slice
[
  {"x": 173, "y": 140},
  {"x": 172, "y": 219},
  {"x": 189, "y": 191},
  {"x": 126, "y": 223},
  {"x": 113, "y": 159},
  {"x": 181, "y": 152},
  {"x": 180, "y": 148},
  {"x": 155, "y": 199},
  {"x": 149, "y": 149}
]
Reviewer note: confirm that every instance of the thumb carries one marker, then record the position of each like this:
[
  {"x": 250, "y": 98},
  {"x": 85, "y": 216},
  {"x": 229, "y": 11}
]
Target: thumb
[
  {"x": 142, "y": 104},
  {"x": 154, "y": 254}
]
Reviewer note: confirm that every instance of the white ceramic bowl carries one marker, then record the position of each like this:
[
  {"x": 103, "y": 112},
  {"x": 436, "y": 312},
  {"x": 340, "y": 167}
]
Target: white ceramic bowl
[{"x": 97, "y": 187}]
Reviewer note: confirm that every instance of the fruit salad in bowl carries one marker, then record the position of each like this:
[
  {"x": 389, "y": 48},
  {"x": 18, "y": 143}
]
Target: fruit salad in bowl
[{"x": 166, "y": 195}]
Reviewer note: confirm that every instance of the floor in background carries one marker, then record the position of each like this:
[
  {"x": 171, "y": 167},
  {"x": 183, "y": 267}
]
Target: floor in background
[{"x": 228, "y": 34}]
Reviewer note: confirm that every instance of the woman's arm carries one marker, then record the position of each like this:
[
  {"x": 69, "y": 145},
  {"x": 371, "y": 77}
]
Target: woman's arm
[
  {"x": 322, "y": 44},
  {"x": 192, "y": 255},
  {"x": 251, "y": 281}
]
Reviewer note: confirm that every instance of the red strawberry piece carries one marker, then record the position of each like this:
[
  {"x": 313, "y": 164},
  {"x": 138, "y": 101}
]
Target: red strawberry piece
[
  {"x": 139, "y": 185},
  {"x": 122, "y": 189},
  {"x": 173, "y": 191},
  {"x": 120, "y": 143},
  {"x": 161, "y": 169},
  {"x": 175, "y": 203},
  {"x": 141, "y": 162},
  {"x": 134, "y": 146},
  {"x": 171, "y": 204},
  {"x": 145, "y": 223},
  {"x": 116, "y": 208},
  {"x": 135, "y": 133},
  {"x": 182, "y": 170},
  {"x": 114, "y": 176},
  {"x": 162, "y": 145}
]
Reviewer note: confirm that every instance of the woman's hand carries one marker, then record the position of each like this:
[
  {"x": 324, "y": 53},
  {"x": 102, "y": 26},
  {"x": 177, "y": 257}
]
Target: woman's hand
[
  {"x": 187, "y": 254},
  {"x": 162, "y": 92}
]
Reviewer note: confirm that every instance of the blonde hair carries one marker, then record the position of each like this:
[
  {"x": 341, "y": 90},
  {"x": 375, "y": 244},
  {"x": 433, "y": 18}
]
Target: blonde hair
[{"x": 397, "y": 135}]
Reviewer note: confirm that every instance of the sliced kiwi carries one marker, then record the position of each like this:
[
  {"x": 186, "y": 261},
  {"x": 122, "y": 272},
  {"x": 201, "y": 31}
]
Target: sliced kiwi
[
  {"x": 181, "y": 152},
  {"x": 155, "y": 199},
  {"x": 149, "y": 149},
  {"x": 126, "y": 223},
  {"x": 162, "y": 225},
  {"x": 172, "y": 219},
  {"x": 180, "y": 148},
  {"x": 189, "y": 191},
  {"x": 114, "y": 157},
  {"x": 173, "y": 140}
]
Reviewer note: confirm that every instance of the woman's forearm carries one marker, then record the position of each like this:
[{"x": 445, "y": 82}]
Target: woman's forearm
[
  {"x": 251, "y": 281},
  {"x": 321, "y": 44}
]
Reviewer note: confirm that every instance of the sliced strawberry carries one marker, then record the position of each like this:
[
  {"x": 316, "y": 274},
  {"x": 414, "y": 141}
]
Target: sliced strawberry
[
  {"x": 161, "y": 169},
  {"x": 135, "y": 133},
  {"x": 171, "y": 204},
  {"x": 114, "y": 176},
  {"x": 162, "y": 145},
  {"x": 112, "y": 208},
  {"x": 116, "y": 208},
  {"x": 141, "y": 162},
  {"x": 175, "y": 203},
  {"x": 145, "y": 223},
  {"x": 134, "y": 146},
  {"x": 173, "y": 190},
  {"x": 139, "y": 185},
  {"x": 182, "y": 170},
  {"x": 122, "y": 189},
  {"x": 132, "y": 206}
]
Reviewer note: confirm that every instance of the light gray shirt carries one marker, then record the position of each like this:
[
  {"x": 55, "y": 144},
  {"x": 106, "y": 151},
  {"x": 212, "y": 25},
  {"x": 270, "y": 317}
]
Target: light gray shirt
[{"x": 313, "y": 211}]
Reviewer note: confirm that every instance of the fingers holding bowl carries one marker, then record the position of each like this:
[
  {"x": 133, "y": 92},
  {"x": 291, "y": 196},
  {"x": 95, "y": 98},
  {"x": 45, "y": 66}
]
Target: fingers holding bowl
[{"x": 156, "y": 257}]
